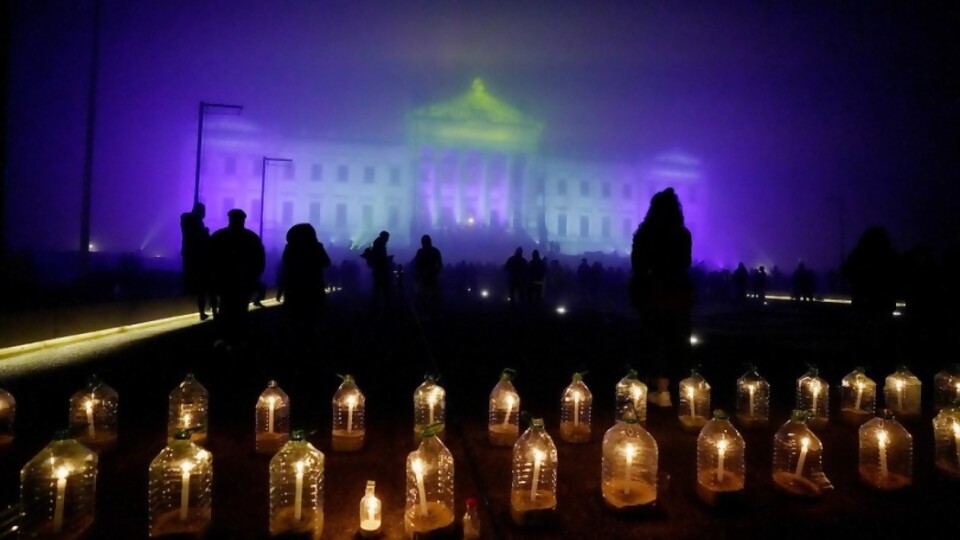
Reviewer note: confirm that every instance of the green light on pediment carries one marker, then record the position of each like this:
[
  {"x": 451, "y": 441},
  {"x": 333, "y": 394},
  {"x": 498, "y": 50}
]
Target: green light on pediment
[{"x": 476, "y": 105}]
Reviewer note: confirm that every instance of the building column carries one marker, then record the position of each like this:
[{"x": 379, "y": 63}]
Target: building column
[{"x": 483, "y": 205}]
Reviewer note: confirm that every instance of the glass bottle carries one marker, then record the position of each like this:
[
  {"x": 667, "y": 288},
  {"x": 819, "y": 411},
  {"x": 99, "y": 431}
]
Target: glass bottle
[
  {"x": 533, "y": 489},
  {"x": 946, "y": 387},
  {"x": 858, "y": 398},
  {"x": 93, "y": 415},
  {"x": 189, "y": 406},
  {"x": 296, "y": 489},
  {"x": 946, "y": 440},
  {"x": 271, "y": 420},
  {"x": 901, "y": 394},
  {"x": 503, "y": 425},
  {"x": 798, "y": 459},
  {"x": 429, "y": 501},
  {"x": 471, "y": 520},
  {"x": 629, "y": 466},
  {"x": 694, "y": 402},
  {"x": 349, "y": 416},
  {"x": 371, "y": 510},
  {"x": 576, "y": 406},
  {"x": 58, "y": 490},
  {"x": 8, "y": 413},
  {"x": 180, "y": 490},
  {"x": 886, "y": 454},
  {"x": 813, "y": 396},
  {"x": 753, "y": 400},
  {"x": 429, "y": 406},
  {"x": 720, "y": 462},
  {"x": 631, "y": 393}
]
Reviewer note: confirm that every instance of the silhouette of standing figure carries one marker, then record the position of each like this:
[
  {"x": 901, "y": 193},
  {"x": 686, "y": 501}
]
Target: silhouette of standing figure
[
  {"x": 380, "y": 265},
  {"x": 304, "y": 261},
  {"x": 741, "y": 278},
  {"x": 427, "y": 264},
  {"x": 760, "y": 284},
  {"x": 516, "y": 268},
  {"x": 661, "y": 289},
  {"x": 537, "y": 271},
  {"x": 238, "y": 260},
  {"x": 872, "y": 270},
  {"x": 195, "y": 250}
]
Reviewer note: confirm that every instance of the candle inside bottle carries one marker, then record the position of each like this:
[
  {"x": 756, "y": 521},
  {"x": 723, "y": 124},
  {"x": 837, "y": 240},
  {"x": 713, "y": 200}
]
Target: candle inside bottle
[
  {"x": 637, "y": 395},
  {"x": 538, "y": 456},
  {"x": 369, "y": 505},
  {"x": 721, "y": 450},
  {"x": 815, "y": 393},
  {"x": 431, "y": 403},
  {"x": 804, "y": 445},
  {"x": 628, "y": 452},
  {"x": 899, "y": 385},
  {"x": 185, "y": 419},
  {"x": 506, "y": 417},
  {"x": 351, "y": 403},
  {"x": 576, "y": 408},
  {"x": 271, "y": 409},
  {"x": 956, "y": 440},
  {"x": 298, "y": 494},
  {"x": 752, "y": 389},
  {"x": 91, "y": 430},
  {"x": 186, "y": 467},
  {"x": 418, "y": 469},
  {"x": 882, "y": 443},
  {"x": 692, "y": 398},
  {"x": 860, "y": 386},
  {"x": 61, "y": 474}
]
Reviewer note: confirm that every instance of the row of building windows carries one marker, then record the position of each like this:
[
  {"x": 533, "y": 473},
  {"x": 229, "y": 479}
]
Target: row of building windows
[
  {"x": 316, "y": 171},
  {"x": 605, "y": 227},
  {"x": 341, "y": 214},
  {"x": 606, "y": 190}
]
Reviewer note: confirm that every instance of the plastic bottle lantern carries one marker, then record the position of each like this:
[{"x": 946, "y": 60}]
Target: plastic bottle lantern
[
  {"x": 629, "y": 468},
  {"x": 946, "y": 437},
  {"x": 533, "y": 489},
  {"x": 720, "y": 462},
  {"x": 58, "y": 490},
  {"x": 296, "y": 489},
  {"x": 429, "y": 406},
  {"x": 886, "y": 454},
  {"x": 271, "y": 420},
  {"x": 858, "y": 398},
  {"x": 370, "y": 512},
  {"x": 946, "y": 387},
  {"x": 349, "y": 416},
  {"x": 429, "y": 506},
  {"x": 901, "y": 394},
  {"x": 8, "y": 413},
  {"x": 503, "y": 426},
  {"x": 576, "y": 407},
  {"x": 753, "y": 400},
  {"x": 93, "y": 415},
  {"x": 189, "y": 406},
  {"x": 180, "y": 488},
  {"x": 631, "y": 394},
  {"x": 813, "y": 396},
  {"x": 694, "y": 402},
  {"x": 798, "y": 459}
]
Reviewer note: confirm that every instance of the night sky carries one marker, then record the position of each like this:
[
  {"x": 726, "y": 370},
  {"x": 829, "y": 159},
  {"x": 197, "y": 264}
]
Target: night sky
[{"x": 792, "y": 107}]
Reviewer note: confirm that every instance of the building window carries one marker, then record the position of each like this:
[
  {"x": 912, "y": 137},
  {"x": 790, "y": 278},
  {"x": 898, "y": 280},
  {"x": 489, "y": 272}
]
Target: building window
[
  {"x": 584, "y": 226},
  {"x": 369, "y": 174},
  {"x": 394, "y": 176},
  {"x": 289, "y": 172},
  {"x": 287, "y": 216},
  {"x": 562, "y": 188},
  {"x": 367, "y": 216},
  {"x": 605, "y": 190},
  {"x": 315, "y": 214},
  {"x": 316, "y": 172},
  {"x": 584, "y": 188},
  {"x": 341, "y": 215},
  {"x": 343, "y": 173},
  {"x": 230, "y": 166},
  {"x": 605, "y": 227},
  {"x": 562, "y": 225},
  {"x": 627, "y": 191},
  {"x": 393, "y": 220}
]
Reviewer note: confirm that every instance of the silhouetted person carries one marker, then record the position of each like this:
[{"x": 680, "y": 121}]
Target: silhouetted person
[
  {"x": 537, "y": 274},
  {"x": 301, "y": 278},
  {"x": 516, "y": 267},
  {"x": 238, "y": 260},
  {"x": 760, "y": 284},
  {"x": 804, "y": 283},
  {"x": 661, "y": 289},
  {"x": 427, "y": 264},
  {"x": 741, "y": 277},
  {"x": 195, "y": 250},
  {"x": 380, "y": 264},
  {"x": 584, "y": 278},
  {"x": 871, "y": 269}
]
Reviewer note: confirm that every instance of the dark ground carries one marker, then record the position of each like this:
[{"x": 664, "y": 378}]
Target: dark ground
[{"x": 469, "y": 345}]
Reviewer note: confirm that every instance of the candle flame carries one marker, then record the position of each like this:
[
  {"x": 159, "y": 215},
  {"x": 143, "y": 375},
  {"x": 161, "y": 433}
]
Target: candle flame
[
  {"x": 576, "y": 395},
  {"x": 691, "y": 392},
  {"x": 539, "y": 455},
  {"x": 956, "y": 429},
  {"x": 186, "y": 419},
  {"x": 299, "y": 466},
  {"x": 272, "y": 401},
  {"x": 805, "y": 442},
  {"x": 860, "y": 385},
  {"x": 636, "y": 392},
  {"x": 88, "y": 405},
  {"x": 899, "y": 384},
  {"x": 509, "y": 399},
  {"x": 433, "y": 396},
  {"x": 62, "y": 472},
  {"x": 722, "y": 445},
  {"x": 418, "y": 466},
  {"x": 815, "y": 387},
  {"x": 629, "y": 451},
  {"x": 351, "y": 400},
  {"x": 882, "y": 437},
  {"x": 752, "y": 387},
  {"x": 186, "y": 466}
]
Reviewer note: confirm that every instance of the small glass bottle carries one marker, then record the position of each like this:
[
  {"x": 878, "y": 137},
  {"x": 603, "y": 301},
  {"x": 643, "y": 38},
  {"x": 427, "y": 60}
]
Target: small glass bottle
[
  {"x": 503, "y": 425},
  {"x": 429, "y": 406},
  {"x": 694, "y": 402},
  {"x": 901, "y": 394},
  {"x": 471, "y": 520},
  {"x": 946, "y": 387},
  {"x": 371, "y": 510},
  {"x": 296, "y": 489},
  {"x": 533, "y": 489},
  {"x": 753, "y": 400},
  {"x": 813, "y": 396},
  {"x": 180, "y": 489},
  {"x": 93, "y": 415},
  {"x": 189, "y": 407},
  {"x": 58, "y": 490},
  {"x": 429, "y": 502},
  {"x": 576, "y": 406},
  {"x": 271, "y": 420},
  {"x": 720, "y": 462},
  {"x": 886, "y": 454},
  {"x": 946, "y": 440},
  {"x": 631, "y": 393},
  {"x": 858, "y": 398},
  {"x": 628, "y": 478},
  {"x": 349, "y": 417},
  {"x": 798, "y": 459},
  {"x": 8, "y": 413}
]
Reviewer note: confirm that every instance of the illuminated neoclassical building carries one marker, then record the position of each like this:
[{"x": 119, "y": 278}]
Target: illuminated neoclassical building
[{"x": 469, "y": 163}]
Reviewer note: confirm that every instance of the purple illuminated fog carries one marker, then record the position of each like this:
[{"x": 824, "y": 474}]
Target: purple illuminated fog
[{"x": 785, "y": 124}]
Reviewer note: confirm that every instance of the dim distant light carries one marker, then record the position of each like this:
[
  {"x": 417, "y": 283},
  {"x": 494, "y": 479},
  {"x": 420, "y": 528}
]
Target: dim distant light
[
  {"x": 484, "y": 293},
  {"x": 694, "y": 340},
  {"x": 561, "y": 310},
  {"x": 470, "y": 220},
  {"x": 897, "y": 313}
]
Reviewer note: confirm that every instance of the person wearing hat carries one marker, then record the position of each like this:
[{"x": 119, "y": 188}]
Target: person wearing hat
[{"x": 238, "y": 260}]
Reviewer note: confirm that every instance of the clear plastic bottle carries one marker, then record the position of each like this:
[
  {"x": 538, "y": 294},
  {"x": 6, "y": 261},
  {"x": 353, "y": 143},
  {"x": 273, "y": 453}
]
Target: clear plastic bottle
[
  {"x": 371, "y": 512},
  {"x": 189, "y": 407},
  {"x": 886, "y": 454},
  {"x": 349, "y": 416},
  {"x": 93, "y": 415},
  {"x": 631, "y": 393},
  {"x": 813, "y": 396},
  {"x": 503, "y": 421},
  {"x": 901, "y": 394},
  {"x": 858, "y": 398},
  {"x": 720, "y": 461},
  {"x": 576, "y": 408},
  {"x": 429, "y": 406},
  {"x": 8, "y": 413},
  {"x": 946, "y": 387},
  {"x": 471, "y": 520},
  {"x": 533, "y": 489},
  {"x": 628, "y": 477},
  {"x": 694, "y": 402},
  {"x": 271, "y": 420},
  {"x": 429, "y": 502},
  {"x": 798, "y": 459},
  {"x": 946, "y": 440},
  {"x": 753, "y": 400},
  {"x": 296, "y": 489},
  {"x": 180, "y": 493},
  {"x": 58, "y": 490}
]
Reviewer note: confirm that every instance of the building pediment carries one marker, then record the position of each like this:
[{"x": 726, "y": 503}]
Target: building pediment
[{"x": 477, "y": 105}]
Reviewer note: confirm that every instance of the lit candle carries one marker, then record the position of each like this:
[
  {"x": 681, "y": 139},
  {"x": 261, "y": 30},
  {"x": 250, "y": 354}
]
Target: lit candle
[
  {"x": 185, "y": 419},
  {"x": 538, "y": 457},
  {"x": 721, "y": 450},
  {"x": 576, "y": 408},
  {"x": 752, "y": 388},
  {"x": 271, "y": 405},
  {"x": 506, "y": 417},
  {"x": 899, "y": 385},
  {"x": 431, "y": 403},
  {"x": 370, "y": 505},
  {"x": 804, "y": 445},
  {"x": 815, "y": 391},
  {"x": 692, "y": 398},
  {"x": 628, "y": 452},
  {"x": 88, "y": 405},
  {"x": 298, "y": 494},
  {"x": 882, "y": 441},
  {"x": 418, "y": 468},
  {"x": 956, "y": 439},
  {"x": 957, "y": 393},
  {"x": 186, "y": 466},
  {"x": 637, "y": 394},
  {"x": 351, "y": 403},
  {"x": 61, "y": 493},
  {"x": 860, "y": 386}
]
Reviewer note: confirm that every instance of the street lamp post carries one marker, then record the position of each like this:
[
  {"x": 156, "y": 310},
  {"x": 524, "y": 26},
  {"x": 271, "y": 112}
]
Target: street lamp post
[
  {"x": 204, "y": 107},
  {"x": 263, "y": 183}
]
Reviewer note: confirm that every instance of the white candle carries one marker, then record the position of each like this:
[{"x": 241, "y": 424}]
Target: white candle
[
  {"x": 418, "y": 468},
  {"x": 431, "y": 403},
  {"x": 752, "y": 388},
  {"x": 185, "y": 420},
  {"x": 628, "y": 452},
  {"x": 804, "y": 445},
  {"x": 815, "y": 391},
  {"x": 721, "y": 450},
  {"x": 956, "y": 439},
  {"x": 899, "y": 385},
  {"x": 88, "y": 405},
  {"x": 61, "y": 495},
  {"x": 860, "y": 386},
  {"x": 882, "y": 441},
  {"x": 186, "y": 466},
  {"x": 506, "y": 417},
  {"x": 538, "y": 456},
  {"x": 351, "y": 403},
  {"x": 692, "y": 398},
  {"x": 298, "y": 494},
  {"x": 576, "y": 408},
  {"x": 637, "y": 395},
  {"x": 271, "y": 406}
]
